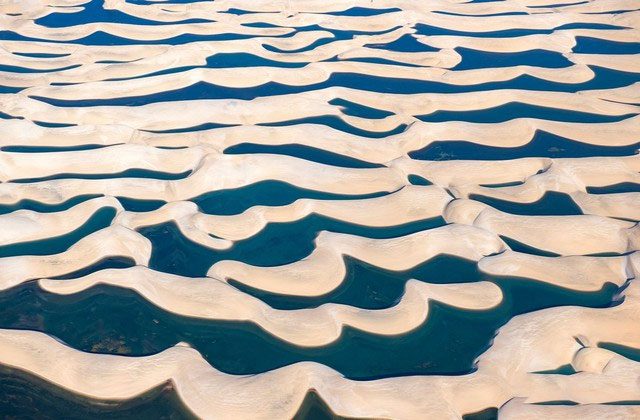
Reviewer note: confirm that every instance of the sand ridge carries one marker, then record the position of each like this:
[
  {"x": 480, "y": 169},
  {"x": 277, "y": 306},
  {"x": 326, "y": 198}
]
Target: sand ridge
[{"x": 92, "y": 119}]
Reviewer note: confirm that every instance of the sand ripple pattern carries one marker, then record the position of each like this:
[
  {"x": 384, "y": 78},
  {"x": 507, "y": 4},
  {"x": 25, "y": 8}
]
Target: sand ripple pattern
[{"x": 366, "y": 208}]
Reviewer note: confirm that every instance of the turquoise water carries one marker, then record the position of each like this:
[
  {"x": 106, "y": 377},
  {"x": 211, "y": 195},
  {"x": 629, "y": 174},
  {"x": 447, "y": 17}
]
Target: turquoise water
[
  {"x": 550, "y": 204},
  {"x": 55, "y": 245},
  {"x": 543, "y": 144},
  {"x": 276, "y": 244},
  {"x": 204, "y": 90},
  {"x": 112, "y": 320}
]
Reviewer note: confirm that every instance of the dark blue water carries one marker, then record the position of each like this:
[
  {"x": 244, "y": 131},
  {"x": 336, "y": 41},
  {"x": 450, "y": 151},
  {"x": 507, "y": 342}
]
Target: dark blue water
[
  {"x": 550, "y": 204},
  {"x": 93, "y": 12},
  {"x": 118, "y": 321},
  {"x": 473, "y": 59},
  {"x": 264, "y": 193},
  {"x": 55, "y": 245},
  {"x": 418, "y": 180},
  {"x": 129, "y": 173},
  {"x": 370, "y": 287},
  {"x": 626, "y": 187},
  {"x": 543, "y": 144},
  {"x": 304, "y": 152},
  {"x": 604, "y": 78},
  {"x": 112, "y": 320},
  {"x": 132, "y": 204},
  {"x": 513, "y": 110},
  {"x": 276, "y": 244},
  {"x": 587, "y": 45}
]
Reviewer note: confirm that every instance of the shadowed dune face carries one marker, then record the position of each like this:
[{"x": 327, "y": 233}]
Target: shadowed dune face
[{"x": 310, "y": 209}]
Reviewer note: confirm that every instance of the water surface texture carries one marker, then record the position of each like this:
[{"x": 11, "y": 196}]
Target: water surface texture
[{"x": 308, "y": 209}]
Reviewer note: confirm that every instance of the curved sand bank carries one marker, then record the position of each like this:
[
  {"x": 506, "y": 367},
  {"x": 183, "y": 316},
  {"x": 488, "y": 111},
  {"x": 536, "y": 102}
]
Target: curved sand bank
[
  {"x": 563, "y": 235},
  {"x": 204, "y": 390},
  {"x": 306, "y": 43},
  {"x": 570, "y": 176},
  {"x": 27, "y": 225},
  {"x": 107, "y": 160},
  {"x": 573, "y": 272},
  {"x": 239, "y": 170},
  {"x": 192, "y": 113},
  {"x": 512, "y": 133},
  {"x": 324, "y": 269},
  {"x": 409, "y": 204},
  {"x": 313, "y": 73},
  {"x": 114, "y": 241},
  {"x": 212, "y": 299}
]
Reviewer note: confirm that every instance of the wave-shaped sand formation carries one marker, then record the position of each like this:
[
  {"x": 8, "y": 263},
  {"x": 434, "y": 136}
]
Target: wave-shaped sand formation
[
  {"x": 306, "y": 327},
  {"x": 265, "y": 110},
  {"x": 396, "y": 209},
  {"x": 199, "y": 385},
  {"x": 310, "y": 75},
  {"x": 512, "y": 133}
]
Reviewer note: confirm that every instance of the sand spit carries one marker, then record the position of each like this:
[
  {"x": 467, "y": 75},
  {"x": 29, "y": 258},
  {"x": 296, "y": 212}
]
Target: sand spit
[
  {"x": 311, "y": 276},
  {"x": 26, "y": 225},
  {"x": 209, "y": 298},
  {"x": 114, "y": 241},
  {"x": 410, "y": 204}
]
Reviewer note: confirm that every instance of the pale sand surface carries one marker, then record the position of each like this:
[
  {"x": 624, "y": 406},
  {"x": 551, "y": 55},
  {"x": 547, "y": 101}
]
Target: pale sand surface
[
  {"x": 595, "y": 249},
  {"x": 512, "y": 133},
  {"x": 170, "y": 115},
  {"x": 212, "y": 299},
  {"x": 527, "y": 344}
]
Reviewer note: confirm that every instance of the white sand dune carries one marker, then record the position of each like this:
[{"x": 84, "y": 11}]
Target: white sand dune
[
  {"x": 212, "y": 299},
  {"x": 85, "y": 99},
  {"x": 549, "y": 341}
]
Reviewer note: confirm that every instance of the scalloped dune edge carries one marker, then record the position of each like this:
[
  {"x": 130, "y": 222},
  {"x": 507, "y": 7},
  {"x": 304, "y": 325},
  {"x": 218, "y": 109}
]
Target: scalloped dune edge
[
  {"x": 73, "y": 100},
  {"x": 528, "y": 344}
]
